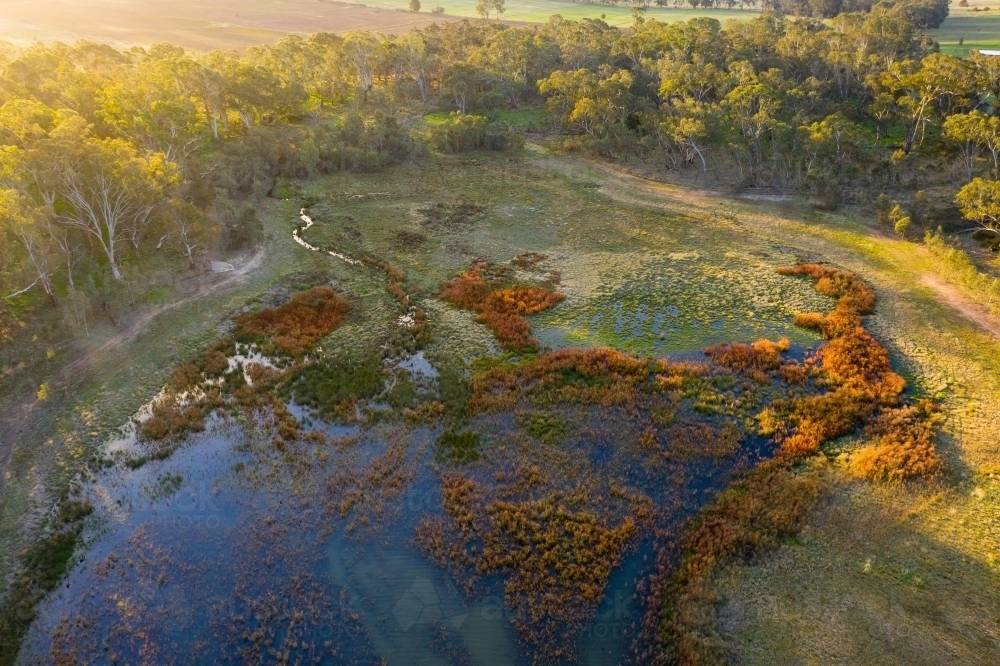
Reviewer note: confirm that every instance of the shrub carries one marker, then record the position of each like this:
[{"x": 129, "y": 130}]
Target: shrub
[
  {"x": 172, "y": 419},
  {"x": 295, "y": 326},
  {"x": 48, "y": 560},
  {"x": 593, "y": 376},
  {"x": 71, "y": 511},
  {"x": 462, "y": 133},
  {"x": 759, "y": 360},
  {"x": 502, "y": 308},
  {"x": 903, "y": 446},
  {"x": 848, "y": 287},
  {"x": 558, "y": 560},
  {"x": 213, "y": 363},
  {"x": 458, "y": 447},
  {"x": 333, "y": 386},
  {"x": 185, "y": 377}
]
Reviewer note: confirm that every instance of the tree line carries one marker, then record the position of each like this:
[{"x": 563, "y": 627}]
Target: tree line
[{"x": 113, "y": 160}]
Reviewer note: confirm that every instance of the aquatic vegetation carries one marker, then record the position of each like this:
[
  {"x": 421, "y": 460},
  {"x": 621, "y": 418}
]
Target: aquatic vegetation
[
  {"x": 71, "y": 511},
  {"x": 749, "y": 517},
  {"x": 554, "y": 513},
  {"x": 295, "y": 326},
  {"x": 44, "y": 564},
  {"x": 332, "y": 386},
  {"x": 555, "y": 554},
  {"x": 173, "y": 418},
  {"x": 488, "y": 290},
  {"x": 368, "y": 493},
  {"x": 560, "y": 560},
  {"x": 546, "y": 427},
  {"x": 702, "y": 440},
  {"x": 852, "y": 363},
  {"x": 593, "y": 376},
  {"x": 753, "y": 514},
  {"x": 458, "y": 447}
]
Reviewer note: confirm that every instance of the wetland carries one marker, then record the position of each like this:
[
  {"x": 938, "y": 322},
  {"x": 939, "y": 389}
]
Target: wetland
[{"x": 489, "y": 427}]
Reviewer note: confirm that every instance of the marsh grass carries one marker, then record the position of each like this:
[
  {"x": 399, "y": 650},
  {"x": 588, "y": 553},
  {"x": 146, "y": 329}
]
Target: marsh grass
[
  {"x": 645, "y": 400},
  {"x": 753, "y": 515},
  {"x": 458, "y": 447}
]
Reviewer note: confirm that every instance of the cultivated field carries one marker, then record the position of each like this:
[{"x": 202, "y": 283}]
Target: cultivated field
[
  {"x": 224, "y": 24},
  {"x": 233, "y": 24}
]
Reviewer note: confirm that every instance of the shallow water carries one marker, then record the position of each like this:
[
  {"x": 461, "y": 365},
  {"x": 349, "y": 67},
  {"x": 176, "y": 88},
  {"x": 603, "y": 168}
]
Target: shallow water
[
  {"x": 677, "y": 302},
  {"x": 229, "y": 551},
  {"x": 244, "y": 546}
]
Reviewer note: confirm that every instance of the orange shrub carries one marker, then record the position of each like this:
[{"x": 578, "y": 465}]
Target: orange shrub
[
  {"x": 848, "y": 287},
  {"x": 185, "y": 377},
  {"x": 582, "y": 376},
  {"x": 753, "y": 514},
  {"x": 853, "y": 362},
  {"x": 297, "y": 325},
  {"x": 903, "y": 446},
  {"x": 502, "y": 310},
  {"x": 467, "y": 291},
  {"x": 758, "y": 360},
  {"x": 813, "y": 320},
  {"x": 213, "y": 363},
  {"x": 171, "y": 419}
]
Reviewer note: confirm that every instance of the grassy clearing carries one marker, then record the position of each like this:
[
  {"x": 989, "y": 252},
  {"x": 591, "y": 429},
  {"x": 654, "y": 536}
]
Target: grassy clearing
[
  {"x": 539, "y": 11},
  {"x": 975, "y": 29},
  {"x": 634, "y": 279}
]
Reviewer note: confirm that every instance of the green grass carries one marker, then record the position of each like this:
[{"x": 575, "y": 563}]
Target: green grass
[
  {"x": 458, "y": 447},
  {"x": 635, "y": 279},
  {"x": 978, "y": 30},
  {"x": 539, "y": 11}
]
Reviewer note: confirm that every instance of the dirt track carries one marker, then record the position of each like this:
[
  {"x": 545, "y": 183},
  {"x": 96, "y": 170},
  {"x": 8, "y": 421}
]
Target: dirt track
[
  {"x": 14, "y": 418},
  {"x": 954, "y": 299}
]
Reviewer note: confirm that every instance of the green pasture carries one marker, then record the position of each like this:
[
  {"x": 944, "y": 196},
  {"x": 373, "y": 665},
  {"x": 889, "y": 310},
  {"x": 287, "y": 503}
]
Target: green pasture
[{"x": 539, "y": 11}]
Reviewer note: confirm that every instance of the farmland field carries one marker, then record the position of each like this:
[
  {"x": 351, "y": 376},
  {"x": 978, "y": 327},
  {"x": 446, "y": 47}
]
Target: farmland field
[
  {"x": 235, "y": 25},
  {"x": 229, "y": 24},
  {"x": 976, "y": 26}
]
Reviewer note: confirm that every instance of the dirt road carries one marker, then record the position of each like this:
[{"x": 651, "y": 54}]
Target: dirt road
[{"x": 14, "y": 419}]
